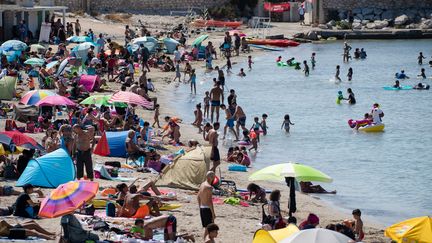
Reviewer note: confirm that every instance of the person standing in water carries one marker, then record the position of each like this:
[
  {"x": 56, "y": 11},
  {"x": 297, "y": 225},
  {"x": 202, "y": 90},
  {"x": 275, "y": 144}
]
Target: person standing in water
[
  {"x": 229, "y": 122},
  {"x": 250, "y": 62},
  {"x": 206, "y": 104},
  {"x": 350, "y": 74},
  {"x": 420, "y": 58},
  {"x": 286, "y": 123},
  {"x": 313, "y": 61},
  {"x": 306, "y": 68},
  {"x": 192, "y": 81},
  {"x": 351, "y": 98},
  {"x": 337, "y": 78},
  {"x": 216, "y": 99},
  {"x": 422, "y": 74}
]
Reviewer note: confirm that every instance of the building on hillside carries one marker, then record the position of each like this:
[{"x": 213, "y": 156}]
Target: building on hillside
[{"x": 34, "y": 14}]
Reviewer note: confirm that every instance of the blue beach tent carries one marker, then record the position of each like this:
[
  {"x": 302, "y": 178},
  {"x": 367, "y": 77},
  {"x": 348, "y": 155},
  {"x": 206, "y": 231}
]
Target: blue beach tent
[
  {"x": 117, "y": 143},
  {"x": 49, "y": 171}
]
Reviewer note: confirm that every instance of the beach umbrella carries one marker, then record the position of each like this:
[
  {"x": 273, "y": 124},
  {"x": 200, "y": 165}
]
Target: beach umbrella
[
  {"x": 278, "y": 173},
  {"x": 79, "y": 39},
  {"x": 130, "y": 98},
  {"x": 55, "y": 100},
  {"x": 199, "y": 40},
  {"x": 51, "y": 64},
  {"x": 317, "y": 236},
  {"x": 14, "y": 44},
  {"x": 34, "y": 96},
  {"x": 274, "y": 236},
  {"x": 100, "y": 100},
  {"x": 418, "y": 230},
  {"x": 6, "y": 150},
  {"x": 37, "y": 47},
  {"x": 62, "y": 67},
  {"x": 67, "y": 197},
  {"x": 170, "y": 44},
  {"x": 81, "y": 50},
  {"x": 148, "y": 41},
  {"x": 17, "y": 138},
  {"x": 35, "y": 61}
]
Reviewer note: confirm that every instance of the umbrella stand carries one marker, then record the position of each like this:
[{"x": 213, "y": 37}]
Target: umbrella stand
[{"x": 290, "y": 181}]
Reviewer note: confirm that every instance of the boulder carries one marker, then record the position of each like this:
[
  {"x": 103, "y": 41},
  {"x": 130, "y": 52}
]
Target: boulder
[
  {"x": 401, "y": 20},
  {"x": 426, "y": 24},
  {"x": 357, "y": 21},
  {"x": 356, "y": 26},
  {"x": 366, "y": 11},
  {"x": 370, "y": 25},
  {"x": 388, "y": 15},
  {"x": 364, "y": 22},
  {"x": 311, "y": 35},
  {"x": 380, "y": 24}
]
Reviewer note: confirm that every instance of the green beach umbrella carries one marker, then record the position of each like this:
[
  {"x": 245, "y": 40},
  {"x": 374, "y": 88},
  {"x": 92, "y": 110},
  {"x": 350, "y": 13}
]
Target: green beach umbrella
[
  {"x": 101, "y": 100},
  {"x": 34, "y": 62},
  {"x": 199, "y": 40},
  {"x": 279, "y": 172}
]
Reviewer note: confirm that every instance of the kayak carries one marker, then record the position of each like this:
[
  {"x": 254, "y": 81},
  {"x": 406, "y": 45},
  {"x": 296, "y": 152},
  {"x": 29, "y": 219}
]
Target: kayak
[
  {"x": 406, "y": 87},
  {"x": 373, "y": 128},
  {"x": 265, "y": 47},
  {"x": 279, "y": 43},
  {"x": 216, "y": 23}
]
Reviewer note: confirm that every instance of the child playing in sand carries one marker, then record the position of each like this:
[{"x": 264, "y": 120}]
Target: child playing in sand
[
  {"x": 337, "y": 78},
  {"x": 178, "y": 75},
  {"x": 242, "y": 73},
  {"x": 306, "y": 68},
  {"x": 250, "y": 62},
  {"x": 229, "y": 65},
  {"x": 264, "y": 124},
  {"x": 156, "y": 116},
  {"x": 358, "y": 225},
  {"x": 286, "y": 123},
  {"x": 198, "y": 117},
  {"x": 313, "y": 60},
  {"x": 350, "y": 74},
  {"x": 207, "y": 104},
  {"x": 192, "y": 81}
]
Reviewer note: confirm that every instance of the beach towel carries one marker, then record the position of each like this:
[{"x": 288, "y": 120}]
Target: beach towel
[{"x": 29, "y": 239}]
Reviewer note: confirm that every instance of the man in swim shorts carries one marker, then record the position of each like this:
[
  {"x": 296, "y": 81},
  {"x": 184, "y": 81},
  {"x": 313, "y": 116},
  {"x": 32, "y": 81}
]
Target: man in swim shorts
[
  {"x": 212, "y": 138},
  {"x": 229, "y": 121},
  {"x": 216, "y": 99},
  {"x": 205, "y": 201}
]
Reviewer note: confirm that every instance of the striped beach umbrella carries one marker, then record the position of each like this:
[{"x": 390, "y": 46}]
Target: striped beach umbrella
[
  {"x": 68, "y": 197},
  {"x": 130, "y": 98},
  {"x": 34, "y": 96}
]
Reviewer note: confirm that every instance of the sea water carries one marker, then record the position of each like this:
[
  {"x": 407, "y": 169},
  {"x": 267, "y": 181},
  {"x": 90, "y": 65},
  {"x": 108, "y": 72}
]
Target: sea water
[{"x": 387, "y": 175}]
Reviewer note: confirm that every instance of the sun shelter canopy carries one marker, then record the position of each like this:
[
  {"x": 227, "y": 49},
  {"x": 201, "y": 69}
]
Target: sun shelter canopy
[
  {"x": 49, "y": 171},
  {"x": 277, "y": 7},
  {"x": 90, "y": 82},
  {"x": 187, "y": 171},
  {"x": 117, "y": 143},
  {"x": 7, "y": 87}
]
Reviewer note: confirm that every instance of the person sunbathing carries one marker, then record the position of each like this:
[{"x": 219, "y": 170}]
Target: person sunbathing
[
  {"x": 132, "y": 204},
  {"x": 307, "y": 187},
  {"x": 24, "y": 230},
  {"x": 169, "y": 224}
]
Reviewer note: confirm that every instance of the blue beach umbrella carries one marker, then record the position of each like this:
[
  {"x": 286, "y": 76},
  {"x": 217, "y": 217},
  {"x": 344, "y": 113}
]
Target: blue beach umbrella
[
  {"x": 14, "y": 44},
  {"x": 79, "y": 39}
]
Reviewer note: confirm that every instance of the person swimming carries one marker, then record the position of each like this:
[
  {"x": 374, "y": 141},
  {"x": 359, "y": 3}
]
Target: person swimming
[
  {"x": 279, "y": 59},
  {"x": 422, "y": 74},
  {"x": 363, "y": 54},
  {"x": 421, "y": 86},
  {"x": 397, "y": 84},
  {"x": 297, "y": 66},
  {"x": 401, "y": 75},
  {"x": 339, "y": 98},
  {"x": 290, "y": 61}
]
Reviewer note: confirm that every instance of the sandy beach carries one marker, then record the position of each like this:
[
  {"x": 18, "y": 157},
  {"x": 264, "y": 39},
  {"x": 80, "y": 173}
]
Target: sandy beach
[{"x": 237, "y": 224}]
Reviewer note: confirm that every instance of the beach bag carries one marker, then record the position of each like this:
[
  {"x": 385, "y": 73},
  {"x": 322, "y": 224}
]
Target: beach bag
[
  {"x": 17, "y": 233},
  {"x": 266, "y": 219},
  {"x": 110, "y": 209}
]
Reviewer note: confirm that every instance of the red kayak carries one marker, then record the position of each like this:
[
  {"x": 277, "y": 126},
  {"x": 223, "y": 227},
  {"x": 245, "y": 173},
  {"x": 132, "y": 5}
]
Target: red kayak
[
  {"x": 280, "y": 43},
  {"x": 216, "y": 23}
]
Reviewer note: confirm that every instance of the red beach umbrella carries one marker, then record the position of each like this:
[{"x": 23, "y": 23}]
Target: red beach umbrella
[{"x": 130, "y": 98}]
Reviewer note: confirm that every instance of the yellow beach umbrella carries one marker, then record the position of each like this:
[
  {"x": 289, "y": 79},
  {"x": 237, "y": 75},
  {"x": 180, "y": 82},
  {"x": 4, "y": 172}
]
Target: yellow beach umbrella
[
  {"x": 274, "y": 236},
  {"x": 415, "y": 230},
  {"x": 3, "y": 151}
]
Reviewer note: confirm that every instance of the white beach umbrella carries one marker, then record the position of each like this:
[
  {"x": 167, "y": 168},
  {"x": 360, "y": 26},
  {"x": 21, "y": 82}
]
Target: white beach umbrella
[{"x": 317, "y": 236}]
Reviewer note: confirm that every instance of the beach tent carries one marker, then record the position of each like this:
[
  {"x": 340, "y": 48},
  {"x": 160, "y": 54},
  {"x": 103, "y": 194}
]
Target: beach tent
[
  {"x": 117, "y": 143},
  {"x": 274, "y": 236},
  {"x": 187, "y": 171},
  {"x": 170, "y": 45},
  {"x": 49, "y": 171},
  {"x": 7, "y": 87},
  {"x": 90, "y": 82}
]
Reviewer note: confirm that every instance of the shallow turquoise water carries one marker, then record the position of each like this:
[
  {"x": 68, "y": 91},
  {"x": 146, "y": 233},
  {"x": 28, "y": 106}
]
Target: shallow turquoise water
[{"x": 387, "y": 175}]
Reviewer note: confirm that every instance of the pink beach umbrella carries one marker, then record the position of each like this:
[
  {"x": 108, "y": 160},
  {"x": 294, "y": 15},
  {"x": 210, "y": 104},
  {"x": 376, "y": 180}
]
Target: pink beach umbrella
[
  {"x": 130, "y": 98},
  {"x": 56, "y": 100}
]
